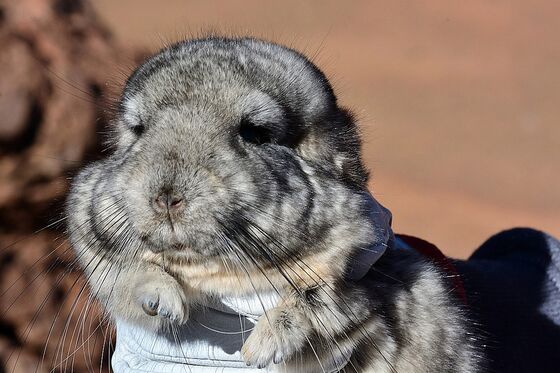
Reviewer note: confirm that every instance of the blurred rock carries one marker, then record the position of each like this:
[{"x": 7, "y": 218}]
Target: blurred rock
[{"x": 56, "y": 61}]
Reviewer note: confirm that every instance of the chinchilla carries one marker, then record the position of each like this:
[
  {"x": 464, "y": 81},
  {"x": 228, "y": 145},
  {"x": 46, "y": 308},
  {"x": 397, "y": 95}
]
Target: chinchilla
[{"x": 235, "y": 171}]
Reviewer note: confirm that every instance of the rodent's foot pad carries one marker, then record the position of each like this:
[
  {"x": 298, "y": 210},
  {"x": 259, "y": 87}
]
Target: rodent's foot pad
[
  {"x": 163, "y": 300},
  {"x": 276, "y": 337}
]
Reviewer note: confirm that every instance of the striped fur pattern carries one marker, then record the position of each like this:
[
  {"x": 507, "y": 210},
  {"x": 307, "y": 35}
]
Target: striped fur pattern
[{"x": 235, "y": 171}]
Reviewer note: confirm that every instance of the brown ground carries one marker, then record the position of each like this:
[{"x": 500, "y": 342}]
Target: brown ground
[{"x": 459, "y": 101}]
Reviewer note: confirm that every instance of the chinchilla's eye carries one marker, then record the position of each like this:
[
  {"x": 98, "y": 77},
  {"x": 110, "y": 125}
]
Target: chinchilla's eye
[
  {"x": 138, "y": 129},
  {"x": 254, "y": 134}
]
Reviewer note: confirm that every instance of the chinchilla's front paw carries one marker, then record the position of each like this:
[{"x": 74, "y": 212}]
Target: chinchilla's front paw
[
  {"x": 278, "y": 335},
  {"x": 162, "y": 300}
]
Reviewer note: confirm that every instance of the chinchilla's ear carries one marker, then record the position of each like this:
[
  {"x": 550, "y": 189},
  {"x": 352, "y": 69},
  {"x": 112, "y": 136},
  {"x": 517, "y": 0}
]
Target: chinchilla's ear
[{"x": 364, "y": 257}]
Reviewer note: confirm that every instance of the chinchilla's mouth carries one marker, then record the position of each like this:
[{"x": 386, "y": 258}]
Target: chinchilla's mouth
[
  {"x": 171, "y": 249},
  {"x": 153, "y": 246},
  {"x": 190, "y": 248}
]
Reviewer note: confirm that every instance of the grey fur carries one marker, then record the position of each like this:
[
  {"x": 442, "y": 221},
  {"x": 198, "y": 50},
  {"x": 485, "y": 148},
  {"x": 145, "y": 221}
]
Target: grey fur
[{"x": 235, "y": 171}]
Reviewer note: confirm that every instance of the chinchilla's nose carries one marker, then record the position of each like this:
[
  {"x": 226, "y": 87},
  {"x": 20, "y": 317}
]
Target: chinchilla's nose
[{"x": 169, "y": 201}]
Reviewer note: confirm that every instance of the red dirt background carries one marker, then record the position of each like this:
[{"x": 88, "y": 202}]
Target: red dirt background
[{"x": 459, "y": 101}]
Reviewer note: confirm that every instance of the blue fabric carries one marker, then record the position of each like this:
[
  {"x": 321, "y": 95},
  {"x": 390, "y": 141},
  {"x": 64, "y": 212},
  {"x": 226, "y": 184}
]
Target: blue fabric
[{"x": 513, "y": 288}]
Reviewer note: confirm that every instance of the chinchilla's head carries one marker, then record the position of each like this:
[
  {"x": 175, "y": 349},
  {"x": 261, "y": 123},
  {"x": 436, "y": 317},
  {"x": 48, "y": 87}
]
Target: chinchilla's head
[{"x": 231, "y": 148}]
